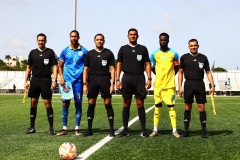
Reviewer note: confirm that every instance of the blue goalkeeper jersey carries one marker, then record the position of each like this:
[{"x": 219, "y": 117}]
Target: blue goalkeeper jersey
[{"x": 73, "y": 63}]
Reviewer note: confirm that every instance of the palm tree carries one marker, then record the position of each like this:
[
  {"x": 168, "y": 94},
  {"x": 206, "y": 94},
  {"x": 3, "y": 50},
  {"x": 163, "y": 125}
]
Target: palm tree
[{"x": 8, "y": 57}]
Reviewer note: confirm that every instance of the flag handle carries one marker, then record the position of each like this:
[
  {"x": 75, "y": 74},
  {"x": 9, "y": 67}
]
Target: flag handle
[{"x": 213, "y": 105}]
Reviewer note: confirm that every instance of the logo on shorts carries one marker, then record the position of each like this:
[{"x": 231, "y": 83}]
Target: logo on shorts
[
  {"x": 66, "y": 88},
  {"x": 46, "y": 61},
  {"x": 104, "y": 62},
  {"x": 80, "y": 53},
  {"x": 139, "y": 57},
  {"x": 200, "y": 65}
]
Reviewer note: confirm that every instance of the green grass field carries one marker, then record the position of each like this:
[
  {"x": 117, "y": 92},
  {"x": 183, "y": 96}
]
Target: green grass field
[{"x": 223, "y": 130}]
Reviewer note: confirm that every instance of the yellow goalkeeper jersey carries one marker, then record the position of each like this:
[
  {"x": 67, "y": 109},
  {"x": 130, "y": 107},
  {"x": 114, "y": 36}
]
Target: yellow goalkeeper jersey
[{"x": 164, "y": 63}]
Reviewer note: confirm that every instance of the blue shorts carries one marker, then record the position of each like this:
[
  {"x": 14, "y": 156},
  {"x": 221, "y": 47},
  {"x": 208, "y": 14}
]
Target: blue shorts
[{"x": 77, "y": 91}]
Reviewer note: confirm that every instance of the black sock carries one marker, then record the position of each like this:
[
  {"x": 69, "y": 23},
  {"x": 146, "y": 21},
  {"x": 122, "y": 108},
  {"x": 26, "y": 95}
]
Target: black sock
[
  {"x": 50, "y": 117},
  {"x": 125, "y": 117},
  {"x": 110, "y": 115},
  {"x": 203, "y": 120},
  {"x": 90, "y": 115},
  {"x": 187, "y": 118},
  {"x": 33, "y": 114},
  {"x": 142, "y": 117}
]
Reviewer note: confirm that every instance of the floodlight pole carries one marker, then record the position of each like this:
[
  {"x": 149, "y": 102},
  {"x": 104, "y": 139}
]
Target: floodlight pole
[{"x": 74, "y": 14}]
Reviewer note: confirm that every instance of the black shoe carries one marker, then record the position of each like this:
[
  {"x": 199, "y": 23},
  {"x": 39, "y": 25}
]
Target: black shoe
[
  {"x": 144, "y": 134},
  {"x": 112, "y": 133},
  {"x": 88, "y": 133},
  {"x": 30, "y": 130},
  {"x": 204, "y": 135},
  {"x": 51, "y": 131},
  {"x": 185, "y": 134},
  {"x": 124, "y": 133}
]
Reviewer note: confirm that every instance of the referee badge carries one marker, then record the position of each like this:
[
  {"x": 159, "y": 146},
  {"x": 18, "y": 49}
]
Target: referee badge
[
  {"x": 104, "y": 62},
  {"x": 200, "y": 65},
  {"x": 139, "y": 57},
  {"x": 46, "y": 61},
  {"x": 80, "y": 53}
]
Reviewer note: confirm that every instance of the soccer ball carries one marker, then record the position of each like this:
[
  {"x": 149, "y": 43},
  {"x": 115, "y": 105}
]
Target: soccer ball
[{"x": 67, "y": 151}]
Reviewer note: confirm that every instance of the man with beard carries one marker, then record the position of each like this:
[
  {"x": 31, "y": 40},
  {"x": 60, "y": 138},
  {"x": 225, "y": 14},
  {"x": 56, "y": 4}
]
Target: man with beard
[
  {"x": 71, "y": 66},
  {"x": 165, "y": 65}
]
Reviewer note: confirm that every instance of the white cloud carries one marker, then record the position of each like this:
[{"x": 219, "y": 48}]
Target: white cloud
[{"x": 15, "y": 43}]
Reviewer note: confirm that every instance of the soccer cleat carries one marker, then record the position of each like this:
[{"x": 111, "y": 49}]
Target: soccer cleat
[
  {"x": 112, "y": 133},
  {"x": 185, "y": 134},
  {"x": 88, "y": 133},
  {"x": 153, "y": 134},
  {"x": 51, "y": 131},
  {"x": 124, "y": 133},
  {"x": 62, "y": 132},
  {"x": 77, "y": 132},
  {"x": 175, "y": 134},
  {"x": 144, "y": 134},
  {"x": 30, "y": 130},
  {"x": 204, "y": 135}
]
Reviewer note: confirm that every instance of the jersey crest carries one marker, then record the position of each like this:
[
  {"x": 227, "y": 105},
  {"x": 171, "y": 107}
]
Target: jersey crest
[
  {"x": 46, "y": 61},
  {"x": 139, "y": 57},
  {"x": 104, "y": 62}
]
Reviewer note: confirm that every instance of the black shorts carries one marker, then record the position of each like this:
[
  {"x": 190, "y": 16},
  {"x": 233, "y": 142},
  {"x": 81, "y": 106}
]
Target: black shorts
[
  {"x": 194, "y": 88},
  {"x": 133, "y": 84},
  {"x": 40, "y": 86},
  {"x": 98, "y": 83}
]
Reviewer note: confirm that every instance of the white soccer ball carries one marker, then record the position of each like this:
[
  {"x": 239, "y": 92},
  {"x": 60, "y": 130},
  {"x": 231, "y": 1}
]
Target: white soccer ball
[{"x": 68, "y": 150}]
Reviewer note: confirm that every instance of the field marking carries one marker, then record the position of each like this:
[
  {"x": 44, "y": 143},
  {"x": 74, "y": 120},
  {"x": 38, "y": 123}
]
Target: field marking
[{"x": 84, "y": 155}]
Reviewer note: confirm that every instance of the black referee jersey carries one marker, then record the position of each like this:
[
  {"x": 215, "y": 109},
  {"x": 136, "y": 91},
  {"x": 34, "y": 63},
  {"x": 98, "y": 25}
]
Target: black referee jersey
[
  {"x": 99, "y": 62},
  {"x": 194, "y": 66},
  {"x": 133, "y": 58},
  {"x": 42, "y": 62}
]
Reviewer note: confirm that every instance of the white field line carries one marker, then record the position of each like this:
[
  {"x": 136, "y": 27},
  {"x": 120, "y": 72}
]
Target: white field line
[{"x": 84, "y": 155}]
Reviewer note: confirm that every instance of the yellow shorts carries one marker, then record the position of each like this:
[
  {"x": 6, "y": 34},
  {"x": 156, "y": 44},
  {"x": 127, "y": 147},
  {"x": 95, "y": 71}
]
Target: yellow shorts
[{"x": 165, "y": 95}]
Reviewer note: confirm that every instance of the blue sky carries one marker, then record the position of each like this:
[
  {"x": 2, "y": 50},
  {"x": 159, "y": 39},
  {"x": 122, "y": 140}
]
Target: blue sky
[{"x": 214, "y": 23}]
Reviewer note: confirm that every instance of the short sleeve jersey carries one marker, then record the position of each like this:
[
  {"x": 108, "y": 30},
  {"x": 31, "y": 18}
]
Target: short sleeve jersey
[
  {"x": 42, "y": 62},
  {"x": 133, "y": 58},
  {"x": 73, "y": 63},
  {"x": 99, "y": 62},
  {"x": 164, "y": 63},
  {"x": 194, "y": 66}
]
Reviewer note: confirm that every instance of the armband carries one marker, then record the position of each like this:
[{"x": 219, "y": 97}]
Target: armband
[
  {"x": 84, "y": 83},
  {"x": 149, "y": 79}
]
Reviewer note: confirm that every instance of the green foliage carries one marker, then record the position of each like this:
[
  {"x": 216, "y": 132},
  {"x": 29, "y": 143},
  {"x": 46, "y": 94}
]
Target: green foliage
[
  {"x": 223, "y": 129},
  {"x": 18, "y": 67},
  {"x": 7, "y": 57},
  {"x": 219, "y": 69}
]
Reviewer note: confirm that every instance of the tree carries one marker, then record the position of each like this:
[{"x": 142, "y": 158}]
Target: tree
[
  {"x": 7, "y": 57},
  {"x": 219, "y": 69}
]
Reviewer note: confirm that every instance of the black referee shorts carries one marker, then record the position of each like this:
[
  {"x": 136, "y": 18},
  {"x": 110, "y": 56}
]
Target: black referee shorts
[
  {"x": 194, "y": 88},
  {"x": 98, "y": 83},
  {"x": 133, "y": 84},
  {"x": 40, "y": 86}
]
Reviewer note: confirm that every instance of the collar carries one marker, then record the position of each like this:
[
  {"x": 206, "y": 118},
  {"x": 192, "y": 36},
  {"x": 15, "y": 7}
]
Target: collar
[
  {"x": 194, "y": 54},
  {"x": 70, "y": 46},
  {"x": 41, "y": 49}
]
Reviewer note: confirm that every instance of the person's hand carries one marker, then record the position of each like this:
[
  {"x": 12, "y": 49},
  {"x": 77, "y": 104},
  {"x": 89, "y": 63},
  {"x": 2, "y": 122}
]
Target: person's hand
[
  {"x": 118, "y": 85},
  {"x": 112, "y": 88},
  {"x": 180, "y": 92},
  {"x": 26, "y": 84},
  {"x": 53, "y": 86},
  {"x": 148, "y": 84},
  {"x": 85, "y": 89}
]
